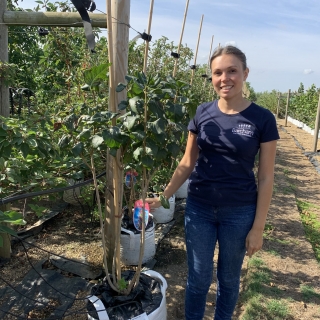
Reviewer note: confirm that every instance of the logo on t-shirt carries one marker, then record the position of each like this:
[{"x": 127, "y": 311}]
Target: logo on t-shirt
[{"x": 243, "y": 129}]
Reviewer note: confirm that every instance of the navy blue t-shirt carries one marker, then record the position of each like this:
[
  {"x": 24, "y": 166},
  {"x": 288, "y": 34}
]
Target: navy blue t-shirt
[{"x": 228, "y": 143}]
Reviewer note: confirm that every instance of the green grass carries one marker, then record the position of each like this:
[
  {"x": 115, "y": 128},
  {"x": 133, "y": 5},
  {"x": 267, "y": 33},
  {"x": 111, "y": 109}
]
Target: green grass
[
  {"x": 273, "y": 252},
  {"x": 309, "y": 293},
  {"x": 262, "y": 300},
  {"x": 283, "y": 241},
  {"x": 311, "y": 225},
  {"x": 289, "y": 189}
]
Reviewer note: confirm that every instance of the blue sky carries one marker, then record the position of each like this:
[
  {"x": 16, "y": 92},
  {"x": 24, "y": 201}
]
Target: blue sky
[{"x": 280, "y": 38}]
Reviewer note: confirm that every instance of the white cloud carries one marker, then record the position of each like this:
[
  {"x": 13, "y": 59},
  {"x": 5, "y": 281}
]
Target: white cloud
[{"x": 307, "y": 71}]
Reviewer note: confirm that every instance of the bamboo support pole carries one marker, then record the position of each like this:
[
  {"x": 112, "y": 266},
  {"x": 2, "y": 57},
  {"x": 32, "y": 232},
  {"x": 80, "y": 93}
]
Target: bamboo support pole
[
  {"x": 208, "y": 66},
  {"x": 181, "y": 36},
  {"x": 210, "y": 52},
  {"x": 146, "y": 50},
  {"x": 197, "y": 48},
  {"x": 287, "y": 107},
  {"x": 278, "y": 105},
  {"x": 58, "y": 19},
  {"x": 316, "y": 128},
  {"x": 4, "y": 90}
]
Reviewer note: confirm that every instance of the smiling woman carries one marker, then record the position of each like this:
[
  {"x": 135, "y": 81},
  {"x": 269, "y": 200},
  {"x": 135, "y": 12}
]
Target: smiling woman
[{"x": 224, "y": 204}]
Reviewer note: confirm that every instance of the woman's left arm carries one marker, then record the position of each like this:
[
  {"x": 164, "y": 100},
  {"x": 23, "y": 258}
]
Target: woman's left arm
[{"x": 265, "y": 187}]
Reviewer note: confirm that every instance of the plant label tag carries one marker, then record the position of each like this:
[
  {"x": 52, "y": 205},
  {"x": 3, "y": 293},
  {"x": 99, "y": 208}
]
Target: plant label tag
[
  {"x": 141, "y": 317},
  {"x": 138, "y": 214}
]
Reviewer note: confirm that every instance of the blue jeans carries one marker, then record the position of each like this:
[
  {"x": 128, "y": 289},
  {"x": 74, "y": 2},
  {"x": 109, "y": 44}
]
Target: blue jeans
[{"x": 204, "y": 226}]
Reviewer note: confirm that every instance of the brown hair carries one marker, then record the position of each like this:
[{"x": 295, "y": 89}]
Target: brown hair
[{"x": 230, "y": 50}]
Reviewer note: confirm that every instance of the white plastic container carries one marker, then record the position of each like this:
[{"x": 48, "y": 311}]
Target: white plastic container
[
  {"x": 159, "y": 314},
  {"x": 130, "y": 246},
  {"x": 162, "y": 215},
  {"x": 182, "y": 192}
]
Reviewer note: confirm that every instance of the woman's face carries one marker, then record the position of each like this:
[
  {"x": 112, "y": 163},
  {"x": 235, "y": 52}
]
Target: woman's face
[{"x": 228, "y": 76}]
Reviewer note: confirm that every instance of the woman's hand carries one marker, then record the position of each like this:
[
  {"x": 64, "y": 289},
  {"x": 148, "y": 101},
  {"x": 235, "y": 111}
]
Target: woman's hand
[
  {"x": 254, "y": 241},
  {"x": 154, "y": 203}
]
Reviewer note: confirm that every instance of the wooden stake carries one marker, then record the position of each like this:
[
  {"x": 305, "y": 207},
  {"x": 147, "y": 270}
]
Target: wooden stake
[
  {"x": 287, "y": 107},
  {"x": 316, "y": 128},
  {"x": 4, "y": 90},
  {"x": 120, "y": 36},
  {"x": 196, "y": 54},
  {"x": 111, "y": 230},
  {"x": 181, "y": 36},
  {"x": 146, "y": 50}
]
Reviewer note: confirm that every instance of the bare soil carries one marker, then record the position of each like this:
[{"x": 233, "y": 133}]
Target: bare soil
[{"x": 286, "y": 252}]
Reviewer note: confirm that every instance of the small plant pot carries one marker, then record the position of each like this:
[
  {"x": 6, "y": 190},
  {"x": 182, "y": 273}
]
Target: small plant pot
[
  {"x": 130, "y": 246},
  {"x": 182, "y": 192},
  {"x": 162, "y": 215},
  {"x": 160, "y": 312}
]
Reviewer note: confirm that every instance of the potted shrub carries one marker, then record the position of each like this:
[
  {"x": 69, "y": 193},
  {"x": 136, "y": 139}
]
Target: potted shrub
[{"x": 144, "y": 134}]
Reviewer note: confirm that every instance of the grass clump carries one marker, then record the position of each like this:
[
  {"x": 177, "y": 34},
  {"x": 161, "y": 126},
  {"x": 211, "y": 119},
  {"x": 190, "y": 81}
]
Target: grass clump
[
  {"x": 311, "y": 225},
  {"x": 309, "y": 293},
  {"x": 262, "y": 300}
]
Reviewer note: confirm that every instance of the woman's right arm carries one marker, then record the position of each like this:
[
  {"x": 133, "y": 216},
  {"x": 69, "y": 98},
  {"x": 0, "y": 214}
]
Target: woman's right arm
[{"x": 182, "y": 172}]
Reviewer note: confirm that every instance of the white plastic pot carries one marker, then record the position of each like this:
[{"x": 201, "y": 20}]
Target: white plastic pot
[
  {"x": 130, "y": 246},
  {"x": 159, "y": 314},
  {"x": 162, "y": 215},
  {"x": 182, "y": 192}
]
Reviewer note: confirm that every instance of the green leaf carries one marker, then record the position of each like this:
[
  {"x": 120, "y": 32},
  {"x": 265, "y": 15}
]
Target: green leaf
[
  {"x": 64, "y": 141},
  {"x": 3, "y": 133},
  {"x": 175, "y": 112},
  {"x": 160, "y": 155},
  {"x": 97, "y": 141},
  {"x": 78, "y": 149},
  {"x": 112, "y": 137},
  {"x": 137, "y": 90},
  {"x": 84, "y": 135},
  {"x": 155, "y": 109},
  {"x": 139, "y": 135},
  {"x": 113, "y": 152},
  {"x": 5, "y": 229},
  {"x": 24, "y": 149},
  {"x": 123, "y": 105},
  {"x": 174, "y": 149},
  {"x": 97, "y": 74},
  {"x": 12, "y": 217},
  {"x": 120, "y": 87},
  {"x": 137, "y": 153},
  {"x": 164, "y": 202},
  {"x": 136, "y": 104},
  {"x": 157, "y": 126},
  {"x": 6, "y": 151},
  {"x": 129, "y": 122},
  {"x": 151, "y": 147},
  {"x": 12, "y": 176},
  {"x": 71, "y": 122},
  {"x": 147, "y": 161}
]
